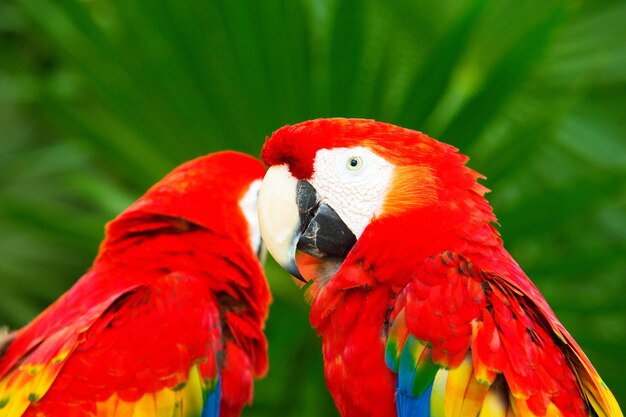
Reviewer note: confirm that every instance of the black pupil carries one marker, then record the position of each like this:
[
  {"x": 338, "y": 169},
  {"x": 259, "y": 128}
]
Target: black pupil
[{"x": 353, "y": 162}]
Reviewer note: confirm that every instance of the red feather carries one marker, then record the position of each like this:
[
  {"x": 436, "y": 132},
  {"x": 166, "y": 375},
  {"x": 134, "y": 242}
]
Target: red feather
[
  {"x": 176, "y": 286},
  {"x": 434, "y": 255}
]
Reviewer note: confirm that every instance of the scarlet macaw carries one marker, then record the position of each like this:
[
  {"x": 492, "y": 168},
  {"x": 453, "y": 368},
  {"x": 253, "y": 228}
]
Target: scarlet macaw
[
  {"x": 421, "y": 310},
  {"x": 169, "y": 319}
]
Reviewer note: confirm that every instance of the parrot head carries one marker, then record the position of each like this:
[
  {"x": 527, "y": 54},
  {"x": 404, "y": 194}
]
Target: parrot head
[
  {"x": 334, "y": 185},
  {"x": 203, "y": 192}
]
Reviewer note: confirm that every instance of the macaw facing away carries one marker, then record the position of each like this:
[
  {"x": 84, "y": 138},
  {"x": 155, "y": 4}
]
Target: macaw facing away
[
  {"x": 421, "y": 310},
  {"x": 169, "y": 319}
]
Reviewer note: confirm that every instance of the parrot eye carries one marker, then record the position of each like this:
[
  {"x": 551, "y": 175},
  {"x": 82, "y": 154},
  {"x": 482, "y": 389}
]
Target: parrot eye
[{"x": 354, "y": 163}]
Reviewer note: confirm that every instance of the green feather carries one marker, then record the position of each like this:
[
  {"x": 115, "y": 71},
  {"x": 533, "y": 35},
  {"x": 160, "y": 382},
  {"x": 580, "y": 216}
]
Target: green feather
[{"x": 416, "y": 370}]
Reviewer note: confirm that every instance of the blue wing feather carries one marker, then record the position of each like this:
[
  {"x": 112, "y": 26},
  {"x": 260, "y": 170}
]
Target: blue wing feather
[
  {"x": 212, "y": 403},
  {"x": 410, "y": 406}
]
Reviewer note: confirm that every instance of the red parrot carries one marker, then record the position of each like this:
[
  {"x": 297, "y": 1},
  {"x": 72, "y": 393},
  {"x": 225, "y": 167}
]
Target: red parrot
[
  {"x": 169, "y": 319},
  {"x": 421, "y": 310}
]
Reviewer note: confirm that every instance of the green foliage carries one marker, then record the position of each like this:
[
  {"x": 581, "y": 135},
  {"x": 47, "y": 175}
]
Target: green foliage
[{"x": 99, "y": 99}]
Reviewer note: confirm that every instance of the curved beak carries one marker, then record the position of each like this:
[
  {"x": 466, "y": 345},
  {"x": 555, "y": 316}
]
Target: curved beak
[{"x": 292, "y": 217}]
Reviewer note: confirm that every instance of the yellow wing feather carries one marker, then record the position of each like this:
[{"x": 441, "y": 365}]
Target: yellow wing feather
[
  {"x": 495, "y": 404},
  {"x": 185, "y": 402},
  {"x": 464, "y": 395}
]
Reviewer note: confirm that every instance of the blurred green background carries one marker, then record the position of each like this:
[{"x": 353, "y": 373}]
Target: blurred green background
[{"x": 100, "y": 98}]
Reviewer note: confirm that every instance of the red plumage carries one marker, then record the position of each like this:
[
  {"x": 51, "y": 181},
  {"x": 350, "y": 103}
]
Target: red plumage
[
  {"x": 176, "y": 289},
  {"x": 431, "y": 265}
]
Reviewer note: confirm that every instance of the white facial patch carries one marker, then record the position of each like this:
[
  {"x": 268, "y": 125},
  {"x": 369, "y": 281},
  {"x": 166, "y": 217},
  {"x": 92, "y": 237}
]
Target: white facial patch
[
  {"x": 248, "y": 205},
  {"x": 354, "y": 182}
]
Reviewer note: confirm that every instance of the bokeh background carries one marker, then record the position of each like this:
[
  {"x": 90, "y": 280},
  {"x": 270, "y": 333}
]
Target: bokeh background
[{"x": 100, "y": 98}]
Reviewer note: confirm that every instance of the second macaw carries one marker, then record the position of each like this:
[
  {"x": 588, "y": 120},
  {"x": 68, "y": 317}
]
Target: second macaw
[
  {"x": 421, "y": 310},
  {"x": 168, "y": 322}
]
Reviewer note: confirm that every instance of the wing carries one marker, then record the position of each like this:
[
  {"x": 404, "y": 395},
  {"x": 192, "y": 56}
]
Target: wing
[
  {"x": 465, "y": 342},
  {"x": 150, "y": 351}
]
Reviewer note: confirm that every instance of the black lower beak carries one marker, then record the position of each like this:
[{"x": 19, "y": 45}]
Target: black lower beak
[{"x": 323, "y": 233}]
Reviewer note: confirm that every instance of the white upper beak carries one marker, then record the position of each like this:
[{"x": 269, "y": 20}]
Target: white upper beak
[{"x": 279, "y": 219}]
